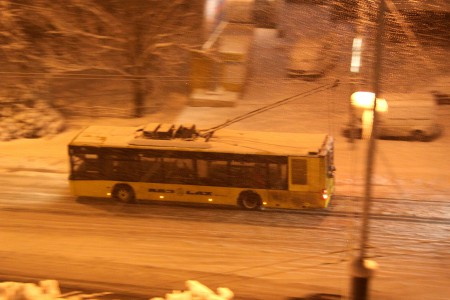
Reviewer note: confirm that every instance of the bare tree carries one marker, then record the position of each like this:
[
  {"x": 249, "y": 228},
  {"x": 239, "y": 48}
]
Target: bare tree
[{"x": 140, "y": 41}]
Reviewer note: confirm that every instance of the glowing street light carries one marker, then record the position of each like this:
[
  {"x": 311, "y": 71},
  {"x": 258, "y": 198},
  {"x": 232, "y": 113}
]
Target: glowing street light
[{"x": 365, "y": 101}]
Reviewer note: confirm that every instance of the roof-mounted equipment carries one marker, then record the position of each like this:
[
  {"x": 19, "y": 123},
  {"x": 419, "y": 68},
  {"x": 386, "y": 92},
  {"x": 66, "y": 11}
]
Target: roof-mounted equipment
[{"x": 164, "y": 131}]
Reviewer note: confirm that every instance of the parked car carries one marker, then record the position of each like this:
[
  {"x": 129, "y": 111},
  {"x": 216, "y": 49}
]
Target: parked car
[
  {"x": 311, "y": 59},
  {"x": 408, "y": 117}
]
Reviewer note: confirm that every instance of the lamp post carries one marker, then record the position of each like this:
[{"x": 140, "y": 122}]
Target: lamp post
[{"x": 362, "y": 269}]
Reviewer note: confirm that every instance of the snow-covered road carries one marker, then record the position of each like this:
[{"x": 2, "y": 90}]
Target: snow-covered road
[{"x": 152, "y": 248}]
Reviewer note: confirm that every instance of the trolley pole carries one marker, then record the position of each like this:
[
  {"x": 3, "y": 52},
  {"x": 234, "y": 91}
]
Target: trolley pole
[{"x": 362, "y": 269}]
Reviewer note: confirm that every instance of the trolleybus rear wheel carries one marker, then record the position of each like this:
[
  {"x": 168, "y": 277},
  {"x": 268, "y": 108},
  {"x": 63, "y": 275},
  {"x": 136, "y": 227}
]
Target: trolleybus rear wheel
[
  {"x": 249, "y": 200},
  {"x": 419, "y": 135},
  {"x": 124, "y": 193}
]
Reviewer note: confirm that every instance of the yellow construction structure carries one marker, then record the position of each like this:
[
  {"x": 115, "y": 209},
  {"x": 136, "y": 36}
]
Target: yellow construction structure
[{"x": 219, "y": 70}]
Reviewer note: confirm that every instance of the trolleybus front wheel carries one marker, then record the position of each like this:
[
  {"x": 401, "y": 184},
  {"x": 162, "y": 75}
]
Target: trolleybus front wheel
[
  {"x": 249, "y": 200},
  {"x": 124, "y": 193}
]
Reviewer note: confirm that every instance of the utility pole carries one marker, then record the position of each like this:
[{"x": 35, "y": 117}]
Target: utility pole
[{"x": 362, "y": 269}]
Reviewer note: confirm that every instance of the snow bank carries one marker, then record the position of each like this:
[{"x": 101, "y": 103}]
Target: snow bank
[
  {"x": 45, "y": 290},
  {"x": 198, "y": 291},
  {"x": 49, "y": 290},
  {"x": 21, "y": 120}
]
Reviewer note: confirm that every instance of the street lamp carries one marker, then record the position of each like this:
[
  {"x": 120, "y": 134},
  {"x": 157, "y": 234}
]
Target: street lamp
[{"x": 365, "y": 101}]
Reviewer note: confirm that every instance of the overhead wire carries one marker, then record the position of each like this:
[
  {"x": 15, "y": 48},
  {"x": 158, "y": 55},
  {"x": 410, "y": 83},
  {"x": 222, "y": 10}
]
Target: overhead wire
[{"x": 208, "y": 132}]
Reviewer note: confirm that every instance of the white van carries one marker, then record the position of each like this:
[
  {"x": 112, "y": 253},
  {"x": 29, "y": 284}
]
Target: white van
[{"x": 410, "y": 116}]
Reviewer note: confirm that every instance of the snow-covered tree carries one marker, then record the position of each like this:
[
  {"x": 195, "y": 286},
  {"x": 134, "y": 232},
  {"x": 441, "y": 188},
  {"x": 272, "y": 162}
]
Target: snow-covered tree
[{"x": 142, "y": 42}]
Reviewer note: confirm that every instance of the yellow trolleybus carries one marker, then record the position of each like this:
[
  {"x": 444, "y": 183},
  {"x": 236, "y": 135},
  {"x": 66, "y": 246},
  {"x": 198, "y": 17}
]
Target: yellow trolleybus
[{"x": 249, "y": 169}]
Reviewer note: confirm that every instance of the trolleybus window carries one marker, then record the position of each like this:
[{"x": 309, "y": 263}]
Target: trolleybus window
[
  {"x": 179, "y": 170},
  {"x": 121, "y": 165},
  {"x": 217, "y": 173},
  {"x": 133, "y": 165},
  {"x": 85, "y": 165},
  {"x": 277, "y": 176},
  {"x": 151, "y": 169},
  {"x": 248, "y": 174}
]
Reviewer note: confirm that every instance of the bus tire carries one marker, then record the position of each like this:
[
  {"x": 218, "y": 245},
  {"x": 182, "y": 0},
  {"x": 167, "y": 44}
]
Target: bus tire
[
  {"x": 249, "y": 200},
  {"x": 124, "y": 193},
  {"x": 419, "y": 136}
]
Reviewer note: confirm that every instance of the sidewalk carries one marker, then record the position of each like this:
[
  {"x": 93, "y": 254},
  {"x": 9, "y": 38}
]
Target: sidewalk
[{"x": 47, "y": 154}]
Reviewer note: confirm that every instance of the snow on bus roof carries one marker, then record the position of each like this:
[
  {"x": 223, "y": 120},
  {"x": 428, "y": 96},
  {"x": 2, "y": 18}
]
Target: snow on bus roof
[{"x": 225, "y": 140}]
